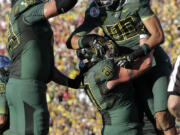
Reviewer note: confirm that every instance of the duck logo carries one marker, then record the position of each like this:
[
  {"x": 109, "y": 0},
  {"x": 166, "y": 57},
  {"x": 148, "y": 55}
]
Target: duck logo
[{"x": 94, "y": 12}]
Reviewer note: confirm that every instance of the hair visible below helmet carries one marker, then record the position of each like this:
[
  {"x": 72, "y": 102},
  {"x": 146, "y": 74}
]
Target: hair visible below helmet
[
  {"x": 4, "y": 61},
  {"x": 104, "y": 3}
]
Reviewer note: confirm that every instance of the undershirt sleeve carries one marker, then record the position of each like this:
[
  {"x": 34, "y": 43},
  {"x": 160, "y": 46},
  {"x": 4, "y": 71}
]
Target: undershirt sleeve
[
  {"x": 34, "y": 14},
  {"x": 145, "y": 11}
]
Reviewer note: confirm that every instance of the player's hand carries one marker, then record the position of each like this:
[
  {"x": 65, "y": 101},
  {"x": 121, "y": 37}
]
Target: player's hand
[
  {"x": 3, "y": 120},
  {"x": 124, "y": 61},
  {"x": 75, "y": 83}
]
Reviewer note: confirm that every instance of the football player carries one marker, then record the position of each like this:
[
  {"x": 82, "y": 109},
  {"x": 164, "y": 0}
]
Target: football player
[
  {"x": 123, "y": 21},
  {"x": 110, "y": 89},
  {"x": 30, "y": 46}
]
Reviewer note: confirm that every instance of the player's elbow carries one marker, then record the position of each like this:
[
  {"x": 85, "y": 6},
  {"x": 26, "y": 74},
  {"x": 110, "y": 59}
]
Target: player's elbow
[
  {"x": 161, "y": 37},
  {"x": 3, "y": 120},
  {"x": 148, "y": 62},
  {"x": 72, "y": 42},
  {"x": 68, "y": 43}
]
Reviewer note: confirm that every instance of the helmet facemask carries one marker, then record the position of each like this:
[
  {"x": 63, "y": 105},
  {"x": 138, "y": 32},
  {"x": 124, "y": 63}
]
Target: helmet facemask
[{"x": 104, "y": 3}]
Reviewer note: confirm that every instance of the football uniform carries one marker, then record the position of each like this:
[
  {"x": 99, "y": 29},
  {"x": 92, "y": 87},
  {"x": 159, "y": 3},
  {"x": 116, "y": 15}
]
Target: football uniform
[
  {"x": 124, "y": 26},
  {"x": 117, "y": 106},
  {"x": 30, "y": 46}
]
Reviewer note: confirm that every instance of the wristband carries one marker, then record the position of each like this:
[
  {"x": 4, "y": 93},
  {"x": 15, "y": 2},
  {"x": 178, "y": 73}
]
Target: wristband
[
  {"x": 80, "y": 43},
  {"x": 146, "y": 48},
  {"x": 142, "y": 51}
]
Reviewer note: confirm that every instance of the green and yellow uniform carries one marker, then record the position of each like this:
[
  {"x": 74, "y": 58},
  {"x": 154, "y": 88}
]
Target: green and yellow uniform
[
  {"x": 30, "y": 46},
  {"x": 117, "y": 106},
  {"x": 124, "y": 26},
  {"x": 3, "y": 103}
]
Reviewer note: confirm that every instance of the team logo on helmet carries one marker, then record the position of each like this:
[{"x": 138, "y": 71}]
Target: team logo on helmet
[{"x": 94, "y": 12}]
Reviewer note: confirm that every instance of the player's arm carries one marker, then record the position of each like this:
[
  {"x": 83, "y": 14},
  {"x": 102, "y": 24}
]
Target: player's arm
[
  {"x": 79, "y": 36},
  {"x": 153, "y": 25},
  {"x": 76, "y": 39},
  {"x": 139, "y": 67},
  {"x": 56, "y": 7},
  {"x": 124, "y": 74},
  {"x": 47, "y": 10},
  {"x": 59, "y": 78}
]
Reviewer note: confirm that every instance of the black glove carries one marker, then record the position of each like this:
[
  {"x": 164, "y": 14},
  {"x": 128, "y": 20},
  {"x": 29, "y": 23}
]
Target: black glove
[
  {"x": 124, "y": 61},
  {"x": 75, "y": 83},
  {"x": 142, "y": 51}
]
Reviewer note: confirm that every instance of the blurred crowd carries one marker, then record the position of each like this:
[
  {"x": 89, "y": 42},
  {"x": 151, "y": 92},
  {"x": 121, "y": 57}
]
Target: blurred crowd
[
  {"x": 70, "y": 110},
  {"x": 169, "y": 15}
]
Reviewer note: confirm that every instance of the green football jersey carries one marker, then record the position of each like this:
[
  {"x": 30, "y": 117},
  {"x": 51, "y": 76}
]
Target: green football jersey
[
  {"x": 123, "y": 25},
  {"x": 117, "y": 106},
  {"x": 30, "y": 43}
]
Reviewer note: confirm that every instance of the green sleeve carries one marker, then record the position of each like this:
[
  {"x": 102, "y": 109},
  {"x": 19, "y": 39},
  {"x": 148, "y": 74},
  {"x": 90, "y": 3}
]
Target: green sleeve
[
  {"x": 145, "y": 11},
  {"x": 86, "y": 27},
  {"x": 3, "y": 103},
  {"x": 34, "y": 14}
]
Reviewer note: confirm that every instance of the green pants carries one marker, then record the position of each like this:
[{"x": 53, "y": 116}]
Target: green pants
[
  {"x": 117, "y": 130},
  {"x": 122, "y": 118},
  {"x": 28, "y": 107},
  {"x": 151, "y": 90}
]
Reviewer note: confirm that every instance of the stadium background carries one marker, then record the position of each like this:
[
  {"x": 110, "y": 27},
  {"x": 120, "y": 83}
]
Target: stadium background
[{"x": 70, "y": 110}]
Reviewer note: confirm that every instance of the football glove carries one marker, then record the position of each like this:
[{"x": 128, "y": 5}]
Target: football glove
[
  {"x": 142, "y": 51},
  {"x": 124, "y": 61},
  {"x": 75, "y": 83}
]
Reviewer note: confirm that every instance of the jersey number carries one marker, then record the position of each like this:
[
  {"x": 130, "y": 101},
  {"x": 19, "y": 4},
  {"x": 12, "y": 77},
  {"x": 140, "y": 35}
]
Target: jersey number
[
  {"x": 107, "y": 71},
  {"x": 123, "y": 30}
]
